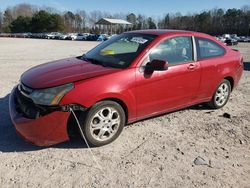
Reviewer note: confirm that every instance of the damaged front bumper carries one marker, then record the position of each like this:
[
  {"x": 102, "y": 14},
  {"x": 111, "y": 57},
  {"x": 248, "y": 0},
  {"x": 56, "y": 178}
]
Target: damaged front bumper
[{"x": 39, "y": 125}]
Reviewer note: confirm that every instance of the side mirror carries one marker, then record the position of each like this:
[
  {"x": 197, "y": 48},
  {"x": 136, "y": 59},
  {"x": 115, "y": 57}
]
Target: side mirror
[{"x": 157, "y": 65}]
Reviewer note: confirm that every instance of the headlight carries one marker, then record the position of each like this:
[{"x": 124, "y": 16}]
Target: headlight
[{"x": 50, "y": 96}]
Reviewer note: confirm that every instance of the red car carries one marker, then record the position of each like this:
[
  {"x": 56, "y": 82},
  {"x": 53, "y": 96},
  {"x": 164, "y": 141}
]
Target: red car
[{"x": 130, "y": 77}]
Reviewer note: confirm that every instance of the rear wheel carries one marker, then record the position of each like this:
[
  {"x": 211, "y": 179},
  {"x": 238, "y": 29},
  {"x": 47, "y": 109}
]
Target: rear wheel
[
  {"x": 103, "y": 123},
  {"x": 221, "y": 95}
]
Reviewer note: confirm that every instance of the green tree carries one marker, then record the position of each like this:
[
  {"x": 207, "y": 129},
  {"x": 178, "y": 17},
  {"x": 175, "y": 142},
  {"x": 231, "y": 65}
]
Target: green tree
[
  {"x": 69, "y": 20},
  {"x": 39, "y": 22},
  {"x": 20, "y": 25},
  {"x": 78, "y": 22},
  {"x": 165, "y": 23},
  {"x": 203, "y": 22},
  {"x": 132, "y": 19},
  {"x": 217, "y": 27},
  {"x": 246, "y": 22},
  {"x": 139, "y": 24},
  {"x": 43, "y": 21},
  {"x": 83, "y": 16},
  {"x": 1, "y": 21},
  {"x": 7, "y": 19},
  {"x": 151, "y": 23},
  {"x": 56, "y": 23},
  {"x": 232, "y": 20}
]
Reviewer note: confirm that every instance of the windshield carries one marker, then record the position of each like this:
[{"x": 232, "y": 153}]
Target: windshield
[{"x": 119, "y": 51}]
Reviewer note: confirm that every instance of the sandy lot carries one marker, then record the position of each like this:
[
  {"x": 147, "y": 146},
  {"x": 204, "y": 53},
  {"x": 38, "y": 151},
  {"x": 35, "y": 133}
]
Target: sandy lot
[{"x": 158, "y": 152}]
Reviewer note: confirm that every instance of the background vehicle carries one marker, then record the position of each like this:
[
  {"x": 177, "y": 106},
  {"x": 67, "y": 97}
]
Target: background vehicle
[
  {"x": 102, "y": 37},
  {"x": 243, "y": 39},
  {"x": 53, "y": 35},
  {"x": 27, "y": 35},
  {"x": 63, "y": 36},
  {"x": 79, "y": 36},
  {"x": 92, "y": 37},
  {"x": 222, "y": 39},
  {"x": 231, "y": 41}
]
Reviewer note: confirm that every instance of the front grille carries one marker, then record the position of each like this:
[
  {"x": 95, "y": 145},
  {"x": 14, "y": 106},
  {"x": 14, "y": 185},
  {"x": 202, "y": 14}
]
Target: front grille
[{"x": 26, "y": 106}]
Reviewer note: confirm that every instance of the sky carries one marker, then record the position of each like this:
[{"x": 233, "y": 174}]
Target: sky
[{"x": 146, "y": 7}]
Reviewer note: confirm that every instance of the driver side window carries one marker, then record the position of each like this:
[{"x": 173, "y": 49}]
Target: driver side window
[{"x": 174, "y": 50}]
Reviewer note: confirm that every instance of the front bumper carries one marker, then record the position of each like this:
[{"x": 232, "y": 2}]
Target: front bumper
[{"x": 43, "y": 131}]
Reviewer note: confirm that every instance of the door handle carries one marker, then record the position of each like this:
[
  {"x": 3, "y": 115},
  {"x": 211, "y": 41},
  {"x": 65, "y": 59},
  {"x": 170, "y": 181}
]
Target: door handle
[{"x": 192, "y": 66}]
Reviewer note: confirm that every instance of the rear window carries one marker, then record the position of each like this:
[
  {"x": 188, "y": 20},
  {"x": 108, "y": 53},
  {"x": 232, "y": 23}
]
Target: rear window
[{"x": 208, "y": 48}]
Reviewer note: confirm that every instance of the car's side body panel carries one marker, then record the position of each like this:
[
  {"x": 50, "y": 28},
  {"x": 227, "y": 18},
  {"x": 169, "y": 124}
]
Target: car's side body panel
[{"x": 166, "y": 90}]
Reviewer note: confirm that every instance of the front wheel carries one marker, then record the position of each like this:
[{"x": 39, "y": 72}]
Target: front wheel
[
  {"x": 221, "y": 95},
  {"x": 103, "y": 123}
]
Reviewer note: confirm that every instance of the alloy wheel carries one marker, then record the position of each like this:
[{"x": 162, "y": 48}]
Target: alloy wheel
[
  {"x": 222, "y": 94},
  {"x": 105, "y": 123}
]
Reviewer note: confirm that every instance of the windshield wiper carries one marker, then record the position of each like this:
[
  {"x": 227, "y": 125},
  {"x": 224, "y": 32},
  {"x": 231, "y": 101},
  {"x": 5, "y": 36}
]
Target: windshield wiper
[
  {"x": 94, "y": 61},
  {"x": 85, "y": 58}
]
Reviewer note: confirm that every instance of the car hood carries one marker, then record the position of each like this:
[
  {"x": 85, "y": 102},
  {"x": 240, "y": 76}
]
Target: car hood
[{"x": 61, "y": 72}]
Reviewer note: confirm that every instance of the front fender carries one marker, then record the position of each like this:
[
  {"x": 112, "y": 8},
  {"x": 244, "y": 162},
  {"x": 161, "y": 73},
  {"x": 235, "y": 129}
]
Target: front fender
[{"x": 120, "y": 86}]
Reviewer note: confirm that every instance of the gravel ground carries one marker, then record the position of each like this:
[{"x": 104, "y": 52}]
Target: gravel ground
[{"x": 164, "y": 151}]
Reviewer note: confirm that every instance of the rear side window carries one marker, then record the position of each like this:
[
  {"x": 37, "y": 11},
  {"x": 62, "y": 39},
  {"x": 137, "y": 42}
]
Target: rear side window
[{"x": 207, "y": 48}]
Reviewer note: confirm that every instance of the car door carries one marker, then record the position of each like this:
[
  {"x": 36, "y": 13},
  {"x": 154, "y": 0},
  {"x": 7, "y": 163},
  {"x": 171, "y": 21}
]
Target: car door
[
  {"x": 211, "y": 56},
  {"x": 173, "y": 88}
]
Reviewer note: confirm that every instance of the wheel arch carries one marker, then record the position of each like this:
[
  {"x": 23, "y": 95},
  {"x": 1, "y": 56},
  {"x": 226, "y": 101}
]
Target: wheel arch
[
  {"x": 120, "y": 102},
  {"x": 72, "y": 124},
  {"x": 231, "y": 80}
]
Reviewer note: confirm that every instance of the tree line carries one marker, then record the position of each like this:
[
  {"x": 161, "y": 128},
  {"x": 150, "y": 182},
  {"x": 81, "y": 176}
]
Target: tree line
[{"x": 28, "y": 18}]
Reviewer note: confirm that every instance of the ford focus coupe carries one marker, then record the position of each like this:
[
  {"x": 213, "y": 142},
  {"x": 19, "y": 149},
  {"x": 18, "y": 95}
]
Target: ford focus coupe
[{"x": 130, "y": 77}]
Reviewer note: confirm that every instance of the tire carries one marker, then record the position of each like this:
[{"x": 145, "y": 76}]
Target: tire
[
  {"x": 102, "y": 123},
  {"x": 221, "y": 95}
]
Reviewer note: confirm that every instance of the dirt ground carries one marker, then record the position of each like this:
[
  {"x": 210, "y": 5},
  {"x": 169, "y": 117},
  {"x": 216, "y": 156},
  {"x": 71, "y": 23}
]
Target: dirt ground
[{"x": 157, "y": 152}]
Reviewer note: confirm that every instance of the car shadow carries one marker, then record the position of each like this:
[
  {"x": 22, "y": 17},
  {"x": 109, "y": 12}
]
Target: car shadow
[
  {"x": 246, "y": 66},
  {"x": 199, "y": 107},
  {"x": 11, "y": 142},
  {"x": 202, "y": 106}
]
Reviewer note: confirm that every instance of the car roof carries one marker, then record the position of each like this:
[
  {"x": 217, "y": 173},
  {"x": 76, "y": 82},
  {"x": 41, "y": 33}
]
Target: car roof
[{"x": 159, "y": 32}]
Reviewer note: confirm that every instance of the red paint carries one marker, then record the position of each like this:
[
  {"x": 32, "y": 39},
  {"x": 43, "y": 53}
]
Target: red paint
[
  {"x": 144, "y": 95},
  {"x": 61, "y": 72},
  {"x": 48, "y": 130}
]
